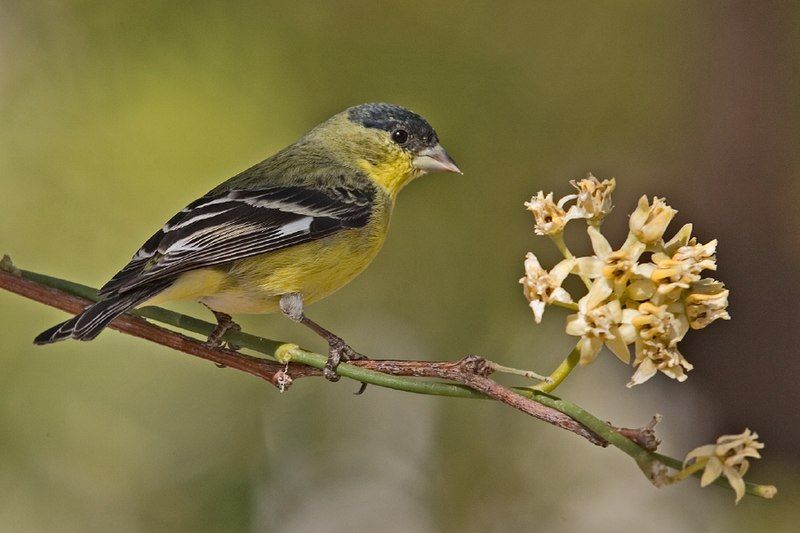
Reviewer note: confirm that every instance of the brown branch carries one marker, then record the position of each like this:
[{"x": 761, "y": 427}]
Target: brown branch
[
  {"x": 138, "y": 327},
  {"x": 471, "y": 371}
]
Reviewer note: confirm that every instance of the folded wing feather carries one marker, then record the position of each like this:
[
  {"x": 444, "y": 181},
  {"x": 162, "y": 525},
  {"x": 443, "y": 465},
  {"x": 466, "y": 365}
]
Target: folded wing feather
[{"x": 236, "y": 224}]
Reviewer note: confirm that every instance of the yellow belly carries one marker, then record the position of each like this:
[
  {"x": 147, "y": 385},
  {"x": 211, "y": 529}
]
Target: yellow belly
[{"x": 255, "y": 285}]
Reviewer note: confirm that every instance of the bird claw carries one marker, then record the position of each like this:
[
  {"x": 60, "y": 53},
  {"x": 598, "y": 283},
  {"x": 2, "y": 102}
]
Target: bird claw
[
  {"x": 340, "y": 351},
  {"x": 219, "y": 343},
  {"x": 212, "y": 343},
  {"x": 224, "y": 325},
  {"x": 329, "y": 372},
  {"x": 346, "y": 353}
]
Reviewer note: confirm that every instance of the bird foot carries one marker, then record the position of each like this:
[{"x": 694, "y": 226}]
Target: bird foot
[
  {"x": 224, "y": 324},
  {"x": 291, "y": 305},
  {"x": 339, "y": 351}
]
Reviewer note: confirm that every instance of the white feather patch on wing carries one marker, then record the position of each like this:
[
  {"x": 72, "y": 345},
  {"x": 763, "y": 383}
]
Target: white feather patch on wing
[{"x": 297, "y": 226}]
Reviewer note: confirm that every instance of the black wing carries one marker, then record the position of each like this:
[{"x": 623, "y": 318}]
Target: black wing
[{"x": 224, "y": 227}]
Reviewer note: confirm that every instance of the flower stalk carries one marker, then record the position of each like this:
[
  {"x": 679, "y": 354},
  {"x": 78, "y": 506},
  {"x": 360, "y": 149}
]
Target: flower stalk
[{"x": 561, "y": 372}]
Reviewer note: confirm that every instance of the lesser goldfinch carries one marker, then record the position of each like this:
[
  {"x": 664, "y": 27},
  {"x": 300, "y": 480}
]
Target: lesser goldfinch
[{"x": 284, "y": 233}]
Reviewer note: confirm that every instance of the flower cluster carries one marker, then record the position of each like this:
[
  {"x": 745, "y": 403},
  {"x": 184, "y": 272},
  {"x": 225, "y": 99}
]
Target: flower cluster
[
  {"x": 592, "y": 202},
  {"x": 647, "y": 293},
  {"x": 727, "y": 457}
]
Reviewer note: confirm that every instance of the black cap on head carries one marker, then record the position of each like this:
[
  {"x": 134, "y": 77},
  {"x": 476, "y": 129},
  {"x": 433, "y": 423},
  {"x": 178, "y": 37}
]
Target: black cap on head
[{"x": 393, "y": 119}]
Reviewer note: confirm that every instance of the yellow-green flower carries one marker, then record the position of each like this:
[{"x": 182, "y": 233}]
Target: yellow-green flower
[{"x": 727, "y": 457}]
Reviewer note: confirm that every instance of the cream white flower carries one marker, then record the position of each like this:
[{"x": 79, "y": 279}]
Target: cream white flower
[
  {"x": 673, "y": 274},
  {"x": 542, "y": 287},
  {"x": 550, "y": 217},
  {"x": 653, "y": 356},
  {"x": 706, "y": 302},
  {"x": 616, "y": 267},
  {"x": 659, "y": 329},
  {"x": 598, "y": 324},
  {"x": 650, "y": 303},
  {"x": 641, "y": 289},
  {"x": 727, "y": 457},
  {"x": 699, "y": 256},
  {"x": 649, "y": 222},
  {"x": 593, "y": 200},
  {"x": 656, "y": 322},
  {"x": 681, "y": 238}
]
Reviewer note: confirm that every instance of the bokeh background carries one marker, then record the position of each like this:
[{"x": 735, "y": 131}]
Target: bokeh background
[{"x": 116, "y": 114}]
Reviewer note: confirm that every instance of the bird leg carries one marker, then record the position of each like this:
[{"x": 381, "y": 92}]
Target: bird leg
[
  {"x": 225, "y": 324},
  {"x": 292, "y": 307}
]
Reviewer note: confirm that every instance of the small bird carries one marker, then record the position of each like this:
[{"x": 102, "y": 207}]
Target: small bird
[{"x": 282, "y": 234}]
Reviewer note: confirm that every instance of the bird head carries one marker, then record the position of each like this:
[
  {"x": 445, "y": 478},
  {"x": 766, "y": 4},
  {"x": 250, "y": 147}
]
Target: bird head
[{"x": 390, "y": 143}]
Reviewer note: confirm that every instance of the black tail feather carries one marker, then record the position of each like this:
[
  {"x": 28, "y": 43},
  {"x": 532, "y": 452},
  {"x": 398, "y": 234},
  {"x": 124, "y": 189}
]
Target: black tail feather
[
  {"x": 95, "y": 318},
  {"x": 59, "y": 332}
]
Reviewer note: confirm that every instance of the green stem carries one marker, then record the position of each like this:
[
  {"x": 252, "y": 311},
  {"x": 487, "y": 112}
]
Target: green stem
[
  {"x": 530, "y": 374},
  {"x": 647, "y": 461},
  {"x": 572, "y": 306},
  {"x": 603, "y": 429},
  {"x": 690, "y": 470},
  {"x": 558, "y": 239},
  {"x": 561, "y": 372}
]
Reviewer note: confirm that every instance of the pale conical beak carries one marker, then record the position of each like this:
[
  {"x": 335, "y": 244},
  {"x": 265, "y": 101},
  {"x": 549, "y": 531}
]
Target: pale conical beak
[{"x": 435, "y": 159}]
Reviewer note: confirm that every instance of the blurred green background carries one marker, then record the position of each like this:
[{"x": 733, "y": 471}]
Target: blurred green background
[{"x": 116, "y": 114}]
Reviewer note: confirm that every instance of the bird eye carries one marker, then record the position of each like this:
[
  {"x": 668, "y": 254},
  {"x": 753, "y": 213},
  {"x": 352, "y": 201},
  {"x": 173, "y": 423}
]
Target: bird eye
[{"x": 400, "y": 136}]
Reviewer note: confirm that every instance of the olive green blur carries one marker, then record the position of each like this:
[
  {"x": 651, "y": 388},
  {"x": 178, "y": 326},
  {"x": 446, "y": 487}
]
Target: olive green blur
[{"x": 113, "y": 115}]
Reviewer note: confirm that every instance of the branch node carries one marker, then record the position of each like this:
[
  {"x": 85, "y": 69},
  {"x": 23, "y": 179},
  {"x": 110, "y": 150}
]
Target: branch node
[
  {"x": 645, "y": 436},
  {"x": 7, "y": 265},
  {"x": 475, "y": 364},
  {"x": 282, "y": 380},
  {"x": 655, "y": 471}
]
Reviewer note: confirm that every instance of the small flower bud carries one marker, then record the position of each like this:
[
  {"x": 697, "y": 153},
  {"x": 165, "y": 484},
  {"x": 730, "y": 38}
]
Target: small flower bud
[{"x": 649, "y": 222}]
